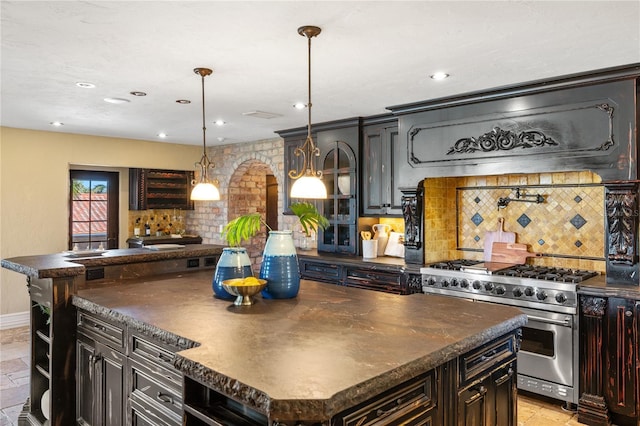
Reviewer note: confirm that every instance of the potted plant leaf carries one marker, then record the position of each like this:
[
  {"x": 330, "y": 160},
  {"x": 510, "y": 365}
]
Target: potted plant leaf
[{"x": 280, "y": 263}]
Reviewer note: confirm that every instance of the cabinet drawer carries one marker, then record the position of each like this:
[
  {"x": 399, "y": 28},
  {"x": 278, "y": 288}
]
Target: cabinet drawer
[
  {"x": 165, "y": 401},
  {"x": 484, "y": 359},
  {"x": 410, "y": 403},
  {"x": 102, "y": 331},
  {"x": 157, "y": 359},
  {"x": 374, "y": 280},
  {"x": 327, "y": 272},
  {"x": 143, "y": 415}
]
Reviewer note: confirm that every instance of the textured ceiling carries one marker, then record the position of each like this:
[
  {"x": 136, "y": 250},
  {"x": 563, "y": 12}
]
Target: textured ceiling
[{"x": 369, "y": 55}]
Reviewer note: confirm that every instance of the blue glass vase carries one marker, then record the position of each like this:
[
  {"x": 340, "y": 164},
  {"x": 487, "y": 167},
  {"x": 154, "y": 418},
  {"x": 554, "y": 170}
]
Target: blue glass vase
[
  {"x": 280, "y": 266},
  {"x": 233, "y": 263}
]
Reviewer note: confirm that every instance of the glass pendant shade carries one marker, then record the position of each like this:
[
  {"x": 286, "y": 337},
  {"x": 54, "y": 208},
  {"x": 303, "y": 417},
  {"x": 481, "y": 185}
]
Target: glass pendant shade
[
  {"x": 205, "y": 191},
  {"x": 308, "y": 187},
  {"x": 307, "y": 181}
]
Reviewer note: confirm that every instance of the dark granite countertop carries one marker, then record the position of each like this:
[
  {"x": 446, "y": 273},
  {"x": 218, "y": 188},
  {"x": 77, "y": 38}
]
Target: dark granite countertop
[
  {"x": 61, "y": 265},
  {"x": 317, "y": 354},
  {"x": 598, "y": 287}
]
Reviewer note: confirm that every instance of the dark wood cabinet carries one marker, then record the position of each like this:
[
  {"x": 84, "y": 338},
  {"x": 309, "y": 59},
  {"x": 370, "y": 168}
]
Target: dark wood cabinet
[
  {"x": 620, "y": 366},
  {"x": 487, "y": 393},
  {"x": 155, "y": 386},
  {"x": 160, "y": 189},
  {"x": 366, "y": 275},
  {"x": 339, "y": 164},
  {"x": 53, "y": 338},
  {"x": 101, "y": 372},
  {"x": 477, "y": 388},
  {"x": 412, "y": 403},
  {"x": 380, "y": 196},
  {"x": 124, "y": 376},
  {"x": 609, "y": 369}
]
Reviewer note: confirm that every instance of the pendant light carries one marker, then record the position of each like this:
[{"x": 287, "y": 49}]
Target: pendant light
[
  {"x": 205, "y": 190},
  {"x": 308, "y": 181}
]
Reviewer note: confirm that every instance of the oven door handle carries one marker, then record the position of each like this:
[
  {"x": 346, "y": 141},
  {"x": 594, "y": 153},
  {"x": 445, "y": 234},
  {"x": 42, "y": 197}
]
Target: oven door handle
[{"x": 566, "y": 322}]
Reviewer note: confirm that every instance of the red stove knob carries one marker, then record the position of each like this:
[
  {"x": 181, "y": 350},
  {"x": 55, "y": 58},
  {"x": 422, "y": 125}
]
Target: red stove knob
[
  {"x": 541, "y": 295},
  {"x": 561, "y": 298},
  {"x": 464, "y": 284},
  {"x": 501, "y": 290},
  {"x": 488, "y": 286},
  {"x": 529, "y": 291},
  {"x": 517, "y": 292},
  {"x": 476, "y": 285}
]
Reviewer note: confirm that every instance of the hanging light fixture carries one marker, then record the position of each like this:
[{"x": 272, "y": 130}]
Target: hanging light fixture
[
  {"x": 308, "y": 181},
  {"x": 205, "y": 190}
]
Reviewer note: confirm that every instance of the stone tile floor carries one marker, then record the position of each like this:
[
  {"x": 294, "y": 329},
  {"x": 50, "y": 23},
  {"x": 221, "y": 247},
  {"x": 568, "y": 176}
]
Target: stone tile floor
[{"x": 14, "y": 387}]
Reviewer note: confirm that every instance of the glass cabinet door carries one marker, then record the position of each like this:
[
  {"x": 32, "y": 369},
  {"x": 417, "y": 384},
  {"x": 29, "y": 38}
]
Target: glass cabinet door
[{"x": 339, "y": 175}]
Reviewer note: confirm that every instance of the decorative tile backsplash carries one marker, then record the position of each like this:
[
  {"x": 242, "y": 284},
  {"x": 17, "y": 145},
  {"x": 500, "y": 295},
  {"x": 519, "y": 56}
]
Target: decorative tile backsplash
[
  {"x": 164, "y": 221},
  {"x": 567, "y": 227}
]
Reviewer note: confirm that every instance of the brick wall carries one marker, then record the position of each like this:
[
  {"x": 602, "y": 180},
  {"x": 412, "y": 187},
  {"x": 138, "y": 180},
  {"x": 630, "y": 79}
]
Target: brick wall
[{"x": 241, "y": 171}]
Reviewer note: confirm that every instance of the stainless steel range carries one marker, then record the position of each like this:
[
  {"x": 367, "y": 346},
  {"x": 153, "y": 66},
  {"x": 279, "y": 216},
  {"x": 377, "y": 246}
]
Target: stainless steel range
[{"x": 548, "y": 357}]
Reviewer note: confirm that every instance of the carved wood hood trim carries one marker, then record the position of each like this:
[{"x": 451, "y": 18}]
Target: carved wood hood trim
[{"x": 570, "y": 130}]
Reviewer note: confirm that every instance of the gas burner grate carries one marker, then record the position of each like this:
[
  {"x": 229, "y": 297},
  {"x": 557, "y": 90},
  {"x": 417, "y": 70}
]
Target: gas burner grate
[
  {"x": 548, "y": 273},
  {"x": 453, "y": 265}
]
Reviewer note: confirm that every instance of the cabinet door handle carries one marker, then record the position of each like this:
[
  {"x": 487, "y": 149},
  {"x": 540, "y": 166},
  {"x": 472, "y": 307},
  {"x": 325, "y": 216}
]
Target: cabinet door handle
[
  {"x": 381, "y": 412},
  {"x": 506, "y": 377},
  {"x": 479, "y": 393},
  {"x": 165, "y": 358},
  {"x": 93, "y": 359},
  {"x": 163, "y": 397},
  {"x": 628, "y": 313}
]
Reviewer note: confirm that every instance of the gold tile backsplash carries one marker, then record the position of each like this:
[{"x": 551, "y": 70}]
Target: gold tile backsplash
[
  {"x": 163, "y": 221},
  {"x": 567, "y": 228}
]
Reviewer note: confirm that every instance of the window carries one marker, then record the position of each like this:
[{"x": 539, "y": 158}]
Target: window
[{"x": 93, "y": 221}]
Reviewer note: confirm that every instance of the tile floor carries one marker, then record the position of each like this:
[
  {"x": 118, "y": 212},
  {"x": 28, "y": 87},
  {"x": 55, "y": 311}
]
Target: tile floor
[{"x": 14, "y": 387}]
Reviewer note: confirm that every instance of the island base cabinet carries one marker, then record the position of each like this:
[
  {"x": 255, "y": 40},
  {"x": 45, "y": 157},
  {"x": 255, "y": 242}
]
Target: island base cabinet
[
  {"x": 411, "y": 404},
  {"x": 204, "y": 406},
  {"x": 477, "y": 388},
  {"x": 491, "y": 400},
  {"x": 101, "y": 382}
]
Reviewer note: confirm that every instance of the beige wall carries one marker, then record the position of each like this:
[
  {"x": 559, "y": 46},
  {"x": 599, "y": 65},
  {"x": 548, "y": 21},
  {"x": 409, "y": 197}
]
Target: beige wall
[{"x": 34, "y": 190}]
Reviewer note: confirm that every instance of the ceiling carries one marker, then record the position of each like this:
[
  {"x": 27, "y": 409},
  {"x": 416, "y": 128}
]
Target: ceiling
[{"x": 370, "y": 55}]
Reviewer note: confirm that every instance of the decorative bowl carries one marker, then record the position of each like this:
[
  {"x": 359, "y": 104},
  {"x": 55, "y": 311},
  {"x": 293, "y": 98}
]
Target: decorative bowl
[{"x": 244, "y": 289}]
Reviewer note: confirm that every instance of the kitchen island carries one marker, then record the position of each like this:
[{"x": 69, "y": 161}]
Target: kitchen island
[{"x": 329, "y": 355}]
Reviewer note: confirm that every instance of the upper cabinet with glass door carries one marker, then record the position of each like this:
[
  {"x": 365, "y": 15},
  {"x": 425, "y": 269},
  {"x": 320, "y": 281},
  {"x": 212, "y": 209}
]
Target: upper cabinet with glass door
[{"x": 339, "y": 163}]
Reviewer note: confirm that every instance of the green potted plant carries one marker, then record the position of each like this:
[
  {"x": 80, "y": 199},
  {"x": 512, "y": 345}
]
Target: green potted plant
[
  {"x": 247, "y": 226},
  {"x": 279, "y": 263}
]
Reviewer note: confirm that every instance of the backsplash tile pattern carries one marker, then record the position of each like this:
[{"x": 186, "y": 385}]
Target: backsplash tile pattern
[
  {"x": 568, "y": 227},
  {"x": 165, "y": 221}
]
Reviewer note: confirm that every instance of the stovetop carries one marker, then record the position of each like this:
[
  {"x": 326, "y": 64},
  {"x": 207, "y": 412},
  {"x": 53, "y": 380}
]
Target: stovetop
[{"x": 529, "y": 286}]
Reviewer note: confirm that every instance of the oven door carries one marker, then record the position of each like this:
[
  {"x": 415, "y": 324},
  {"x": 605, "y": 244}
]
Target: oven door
[{"x": 547, "y": 348}]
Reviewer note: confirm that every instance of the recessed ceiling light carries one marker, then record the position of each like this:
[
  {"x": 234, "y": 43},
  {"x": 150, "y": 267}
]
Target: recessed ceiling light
[
  {"x": 220, "y": 123},
  {"x": 183, "y": 101},
  {"x": 85, "y": 85},
  {"x": 439, "y": 75},
  {"x": 56, "y": 123},
  {"x": 299, "y": 105},
  {"x": 162, "y": 135},
  {"x": 116, "y": 100},
  {"x": 134, "y": 93}
]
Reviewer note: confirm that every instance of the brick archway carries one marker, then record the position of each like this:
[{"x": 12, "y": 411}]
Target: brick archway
[{"x": 247, "y": 193}]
